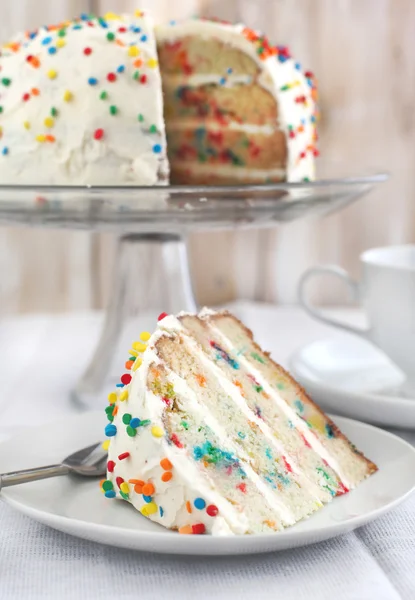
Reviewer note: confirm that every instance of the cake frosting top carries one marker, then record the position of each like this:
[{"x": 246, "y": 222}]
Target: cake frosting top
[
  {"x": 81, "y": 103},
  {"x": 294, "y": 90}
]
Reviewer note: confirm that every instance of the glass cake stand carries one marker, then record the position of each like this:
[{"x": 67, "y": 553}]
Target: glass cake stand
[{"x": 152, "y": 273}]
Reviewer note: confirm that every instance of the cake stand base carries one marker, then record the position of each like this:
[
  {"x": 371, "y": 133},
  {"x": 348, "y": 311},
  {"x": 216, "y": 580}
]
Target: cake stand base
[{"x": 151, "y": 276}]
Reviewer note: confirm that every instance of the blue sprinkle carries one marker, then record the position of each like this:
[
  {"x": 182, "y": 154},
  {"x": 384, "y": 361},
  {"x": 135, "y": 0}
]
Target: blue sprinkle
[
  {"x": 143, "y": 38},
  {"x": 298, "y": 66},
  {"x": 282, "y": 58},
  {"x": 77, "y": 27},
  {"x": 84, "y": 17},
  {"x": 161, "y": 511},
  {"x": 103, "y": 23},
  {"x": 147, "y": 499},
  {"x": 135, "y": 423},
  {"x": 229, "y": 71},
  {"x": 110, "y": 494},
  {"x": 121, "y": 69},
  {"x": 222, "y": 81},
  {"x": 329, "y": 431},
  {"x": 92, "y": 81},
  {"x": 199, "y": 503},
  {"x": 5, "y": 151},
  {"x": 313, "y": 119},
  {"x": 172, "y": 22},
  {"x": 110, "y": 430},
  {"x": 46, "y": 41},
  {"x": 33, "y": 35},
  {"x": 157, "y": 148},
  {"x": 120, "y": 385},
  {"x": 52, "y": 50},
  {"x": 268, "y": 453},
  {"x": 241, "y": 435},
  {"x": 136, "y": 29},
  {"x": 197, "y": 452},
  {"x": 299, "y": 405}
]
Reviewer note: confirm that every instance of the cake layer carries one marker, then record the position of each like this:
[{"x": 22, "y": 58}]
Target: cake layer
[
  {"x": 247, "y": 104},
  {"x": 226, "y": 146},
  {"x": 187, "y": 172}
]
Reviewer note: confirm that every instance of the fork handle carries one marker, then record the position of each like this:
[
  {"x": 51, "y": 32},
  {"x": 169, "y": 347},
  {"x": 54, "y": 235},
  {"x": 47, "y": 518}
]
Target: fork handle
[{"x": 17, "y": 477}]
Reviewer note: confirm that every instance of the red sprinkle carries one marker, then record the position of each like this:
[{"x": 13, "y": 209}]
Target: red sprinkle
[
  {"x": 309, "y": 74},
  {"x": 287, "y": 465},
  {"x": 303, "y": 155},
  {"x": 110, "y": 466},
  {"x": 87, "y": 51},
  {"x": 166, "y": 400},
  {"x": 143, "y": 79},
  {"x": 176, "y": 441},
  {"x": 26, "y": 97},
  {"x": 99, "y": 134},
  {"x": 199, "y": 528},
  {"x": 111, "y": 77},
  {"x": 342, "y": 490},
  {"x": 162, "y": 316},
  {"x": 291, "y": 134},
  {"x": 126, "y": 378},
  {"x": 212, "y": 510},
  {"x": 119, "y": 481},
  {"x": 242, "y": 487},
  {"x": 123, "y": 456},
  {"x": 122, "y": 29}
]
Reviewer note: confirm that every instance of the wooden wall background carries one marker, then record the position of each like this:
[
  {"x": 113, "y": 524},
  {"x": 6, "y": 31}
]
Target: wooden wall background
[{"x": 363, "y": 52}]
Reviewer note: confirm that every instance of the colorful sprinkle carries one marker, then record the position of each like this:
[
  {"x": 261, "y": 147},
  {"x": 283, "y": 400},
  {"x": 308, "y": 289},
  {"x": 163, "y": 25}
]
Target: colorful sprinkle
[
  {"x": 131, "y": 431},
  {"x": 145, "y": 336},
  {"x": 110, "y": 466},
  {"x": 126, "y": 418},
  {"x": 113, "y": 110},
  {"x": 149, "y": 509},
  {"x": 136, "y": 422},
  {"x": 110, "y": 36},
  {"x": 107, "y": 485},
  {"x": 166, "y": 476},
  {"x": 52, "y": 74},
  {"x": 87, "y": 51},
  {"x": 125, "y": 488},
  {"x": 199, "y": 503},
  {"x": 112, "y": 397},
  {"x": 98, "y": 134},
  {"x": 106, "y": 445},
  {"x": 67, "y": 96},
  {"x": 157, "y": 148},
  {"x": 126, "y": 378},
  {"x": 139, "y": 346},
  {"x": 110, "y": 430},
  {"x": 212, "y": 510},
  {"x": 198, "y": 529},
  {"x": 111, "y": 77},
  {"x": 93, "y": 81},
  {"x": 124, "y": 396},
  {"x": 157, "y": 431},
  {"x": 166, "y": 464}
]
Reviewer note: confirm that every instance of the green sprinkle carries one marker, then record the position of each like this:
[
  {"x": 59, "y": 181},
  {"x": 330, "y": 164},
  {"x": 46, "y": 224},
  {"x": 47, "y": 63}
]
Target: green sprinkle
[
  {"x": 280, "y": 386},
  {"x": 54, "y": 112},
  {"x": 141, "y": 118},
  {"x": 323, "y": 472},
  {"x": 110, "y": 417},
  {"x": 136, "y": 75},
  {"x": 109, "y": 409},
  {"x": 126, "y": 418},
  {"x": 284, "y": 88},
  {"x": 113, "y": 110},
  {"x": 103, "y": 95},
  {"x": 6, "y": 81},
  {"x": 62, "y": 32},
  {"x": 110, "y": 36},
  {"x": 107, "y": 485},
  {"x": 131, "y": 431},
  {"x": 145, "y": 423},
  {"x": 153, "y": 129},
  {"x": 1, "y": 109},
  {"x": 184, "y": 424},
  {"x": 259, "y": 358},
  {"x": 125, "y": 496},
  {"x": 259, "y": 388}
]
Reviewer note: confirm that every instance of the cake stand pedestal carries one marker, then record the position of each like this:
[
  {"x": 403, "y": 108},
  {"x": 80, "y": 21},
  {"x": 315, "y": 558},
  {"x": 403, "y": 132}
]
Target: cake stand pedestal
[{"x": 151, "y": 269}]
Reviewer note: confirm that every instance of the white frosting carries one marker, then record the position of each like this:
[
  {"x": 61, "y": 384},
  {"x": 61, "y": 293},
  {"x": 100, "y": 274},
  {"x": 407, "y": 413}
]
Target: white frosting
[
  {"x": 125, "y": 154},
  {"x": 214, "y": 126},
  {"x": 274, "y": 76}
]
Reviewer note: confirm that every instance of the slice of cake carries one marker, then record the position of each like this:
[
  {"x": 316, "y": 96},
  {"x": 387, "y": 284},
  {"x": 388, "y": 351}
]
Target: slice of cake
[
  {"x": 208, "y": 435},
  {"x": 81, "y": 103},
  {"x": 237, "y": 109}
]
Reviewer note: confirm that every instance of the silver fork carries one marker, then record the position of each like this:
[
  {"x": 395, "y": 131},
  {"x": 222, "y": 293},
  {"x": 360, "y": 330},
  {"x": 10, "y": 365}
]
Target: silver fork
[{"x": 88, "y": 462}]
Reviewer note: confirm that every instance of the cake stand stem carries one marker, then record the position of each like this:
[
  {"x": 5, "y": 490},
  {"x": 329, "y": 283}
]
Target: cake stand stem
[{"x": 151, "y": 276}]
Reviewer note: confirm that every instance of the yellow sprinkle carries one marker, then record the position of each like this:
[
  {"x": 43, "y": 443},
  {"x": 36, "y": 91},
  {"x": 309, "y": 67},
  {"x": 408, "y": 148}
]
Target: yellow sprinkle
[
  {"x": 133, "y": 51},
  {"x": 151, "y": 508},
  {"x": 112, "y": 398},
  {"x": 110, "y": 16},
  {"x": 133, "y": 352},
  {"x": 60, "y": 43},
  {"x": 52, "y": 74},
  {"x": 157, "y": 431},
  {"x": 106, "y": 444},
  {"x": 145, "y": 336},
  {"x": 41, "y": 138},
  {"x": 138, "y": 13},
  {"x": 139, "y": 346},
  {"x": 49, "y": 122},
  {"x": 137, "y": 363},
  {"x": 144, "y": 511},
  {"x": 67, "y": 96},
  {"x": 152, "y": 63},
  {"x": 26, "y": 125},
  {"x": 124, "y": 487},
  {"x": 124, "y": 395}
]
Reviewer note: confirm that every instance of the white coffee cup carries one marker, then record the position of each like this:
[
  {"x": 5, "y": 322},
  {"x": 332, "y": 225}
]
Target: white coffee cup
[{"x": 387, "y": 292}]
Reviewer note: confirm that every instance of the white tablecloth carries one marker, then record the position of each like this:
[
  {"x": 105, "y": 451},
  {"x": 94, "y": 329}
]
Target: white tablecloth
[{"x": 40, "y": 359}]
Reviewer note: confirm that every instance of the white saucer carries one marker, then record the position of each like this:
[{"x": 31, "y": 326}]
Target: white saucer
[
  {"x": 352, "y": 378},
  {"x": 77, "y": 506}
]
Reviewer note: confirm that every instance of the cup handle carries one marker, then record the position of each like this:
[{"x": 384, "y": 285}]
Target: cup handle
[{"x": 319, "y": 314}]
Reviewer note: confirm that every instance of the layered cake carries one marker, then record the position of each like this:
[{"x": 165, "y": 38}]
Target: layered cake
[
  {"x": 237, "y": 109},
  {"x": 207, "y": 434},
  {"x": 82, "y": 103}
]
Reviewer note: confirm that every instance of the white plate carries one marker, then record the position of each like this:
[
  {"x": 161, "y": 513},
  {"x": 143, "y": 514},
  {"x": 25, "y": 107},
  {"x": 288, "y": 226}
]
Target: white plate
[
  {"x": 352, "y": 378},
  {"x": 77, "y": 506}
]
